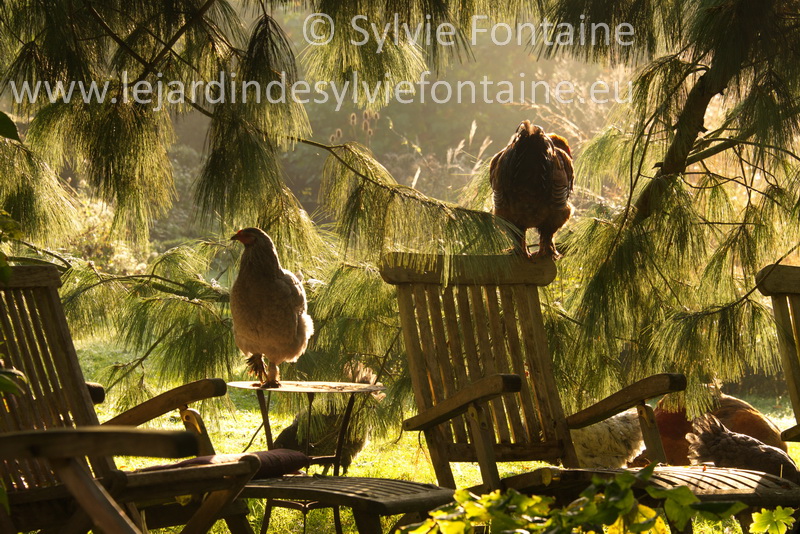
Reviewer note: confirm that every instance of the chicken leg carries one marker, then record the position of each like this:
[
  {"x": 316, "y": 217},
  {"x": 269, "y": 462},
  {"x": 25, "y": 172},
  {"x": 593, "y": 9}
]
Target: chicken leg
[
  {"x": 272, "y": 377},
  {"x": 546, "y": 246}
]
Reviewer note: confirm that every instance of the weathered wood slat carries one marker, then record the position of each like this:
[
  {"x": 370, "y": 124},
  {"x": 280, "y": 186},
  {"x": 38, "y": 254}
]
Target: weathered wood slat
[
  {"x": 775, "y": 280},
  {"x": 529, "y": 414},
  {"x": 33, "y": 276},
  {"x": 442, "y": 353},
  {"x": 457, "y": 359},
  {"x": 787, "y": 314},
  {"x": 469, "y": 329},
  {"x": 468, "y": 270},
  {"x": 116, "y": 441},
  {"x": 46, "y": 342},
  {"x": 535, "y": 376},
  {"x": 417, "y": 368},
  {"x": 509, "y": 452},
  {"x": 499, "y": 417},
  {"x": 500, "y": 357}
]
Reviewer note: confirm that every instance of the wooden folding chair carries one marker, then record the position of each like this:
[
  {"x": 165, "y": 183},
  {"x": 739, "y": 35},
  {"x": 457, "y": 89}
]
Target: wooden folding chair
[
  {"x": 64, "y": 449},
  {"x": 483, "y": 381},
  {"x": 36, "y": 341},
  {"x": 782, "y": 284}
]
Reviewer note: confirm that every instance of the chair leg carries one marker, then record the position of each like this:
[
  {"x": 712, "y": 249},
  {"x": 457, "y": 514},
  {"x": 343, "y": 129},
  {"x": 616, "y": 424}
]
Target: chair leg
[
  {"x": 267, "y": 515},
  {"x": 238, "y": 524},
  {"x": 337, "y": 520},
  {"x": 208, "y": 513},
  {"x": 408, "y": 519},
  {"x": 367, "y": 523}
]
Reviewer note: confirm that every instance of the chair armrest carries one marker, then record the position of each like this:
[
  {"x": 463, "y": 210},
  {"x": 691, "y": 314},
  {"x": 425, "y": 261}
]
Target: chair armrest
[
  {"x": 97, "y": 441},
  {"x": 791, "y": 434},
  {"x": 96, "y": 392},
  {"x": 480, "y": 391},
  {"x": 171, "y": 400},
  {"x": 628, "y": 397}
]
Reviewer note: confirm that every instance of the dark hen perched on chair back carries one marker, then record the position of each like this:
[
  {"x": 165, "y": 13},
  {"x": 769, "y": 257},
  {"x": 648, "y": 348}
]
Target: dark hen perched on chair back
[{"x": 532, "y": 180}]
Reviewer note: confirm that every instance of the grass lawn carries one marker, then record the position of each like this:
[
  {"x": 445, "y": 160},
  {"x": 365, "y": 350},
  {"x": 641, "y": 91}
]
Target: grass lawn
[{"x": 234, "y": 424}]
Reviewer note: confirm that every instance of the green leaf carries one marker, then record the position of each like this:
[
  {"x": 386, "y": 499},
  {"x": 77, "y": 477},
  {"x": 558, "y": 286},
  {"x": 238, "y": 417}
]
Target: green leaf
[
  {"x": 772, "y": 521},
  {"x": 7, "y": 128},
  {"x": 678, "y": 514},
  {"x": 681, "y": 495},
  {"x": 10, "y": 380}
]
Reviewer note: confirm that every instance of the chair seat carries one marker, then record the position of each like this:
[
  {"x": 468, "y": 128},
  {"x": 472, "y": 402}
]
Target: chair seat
[
  {"x": 708, "y": 483},
  {"x": 379, "y": 496}
]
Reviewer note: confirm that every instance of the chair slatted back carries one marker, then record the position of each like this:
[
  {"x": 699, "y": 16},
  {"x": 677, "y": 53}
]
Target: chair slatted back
[
  {"x": 782, "y": 284},
  {"x": 481, "y": 322},
  {"x": 36, "y": 341}
]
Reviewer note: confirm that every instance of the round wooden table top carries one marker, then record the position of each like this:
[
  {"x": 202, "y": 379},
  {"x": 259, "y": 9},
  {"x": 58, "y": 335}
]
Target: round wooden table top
[{"x": 289, "y": 386}]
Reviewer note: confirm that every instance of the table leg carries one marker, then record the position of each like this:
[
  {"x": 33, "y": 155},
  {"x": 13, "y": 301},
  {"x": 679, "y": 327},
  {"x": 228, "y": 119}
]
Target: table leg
[
  {"x": 263, "y": 404},
  {"x": 310, "y": 397}
]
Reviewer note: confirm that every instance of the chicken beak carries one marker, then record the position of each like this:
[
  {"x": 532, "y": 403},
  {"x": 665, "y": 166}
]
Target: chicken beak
[{"x": 235, "y": 237}]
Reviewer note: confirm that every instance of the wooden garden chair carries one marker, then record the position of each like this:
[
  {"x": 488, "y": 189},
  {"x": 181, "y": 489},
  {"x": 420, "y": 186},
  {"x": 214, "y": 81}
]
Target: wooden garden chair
[
  {"x": 65, "y": 448},
  {"x": 36, "y": 341},
  {"x": 483, "y": 381},
  {"x": 782, "y": 284}
]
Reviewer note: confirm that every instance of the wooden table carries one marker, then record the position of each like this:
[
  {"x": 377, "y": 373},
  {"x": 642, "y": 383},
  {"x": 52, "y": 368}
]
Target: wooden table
[{"x": 311, "y": 389}]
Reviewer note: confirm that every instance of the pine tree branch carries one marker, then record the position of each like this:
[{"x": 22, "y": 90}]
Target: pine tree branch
[
  {"x": 139, "y": 361},
  {"x": 113, "y": 35},
  {"x": 149, "y": 66}
]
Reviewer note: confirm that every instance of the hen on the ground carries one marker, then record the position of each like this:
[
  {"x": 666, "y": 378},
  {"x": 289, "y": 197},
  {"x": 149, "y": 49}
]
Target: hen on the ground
[
  {"x": 613, "y": 442},
  {"x": 326, "y": 423},
  {"x": 712, "y": 442},
  {"x": 736, "y": 414},
  {"x": 268, "y": 306},
  {"x": 531, "y": 181}
]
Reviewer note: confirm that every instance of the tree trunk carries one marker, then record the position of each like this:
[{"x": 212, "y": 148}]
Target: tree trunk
[{"x": 687, "y": 129}]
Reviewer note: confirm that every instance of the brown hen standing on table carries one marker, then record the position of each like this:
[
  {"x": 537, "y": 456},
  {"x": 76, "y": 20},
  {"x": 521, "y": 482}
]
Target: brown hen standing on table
[
  {"x": 268, "y": 305},
  {"x": 532, "y": 180}
]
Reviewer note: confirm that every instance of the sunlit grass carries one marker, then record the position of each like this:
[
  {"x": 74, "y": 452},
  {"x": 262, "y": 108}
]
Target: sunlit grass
[{"x": 233, "y": 424}]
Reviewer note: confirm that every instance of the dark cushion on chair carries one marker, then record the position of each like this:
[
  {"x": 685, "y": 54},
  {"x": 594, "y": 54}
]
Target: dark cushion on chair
[{"x": 274, "y": 463}]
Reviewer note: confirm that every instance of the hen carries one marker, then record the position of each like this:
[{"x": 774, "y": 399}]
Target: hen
[
  {"x": 614, "y": 442},
  {"x": 326, "y": 425},
  {"x": 268, "y": 305},
  {"x": 712, "y": 442},
  {"x": 531, "y": 181},
  {"x": 735, "y": 414}
]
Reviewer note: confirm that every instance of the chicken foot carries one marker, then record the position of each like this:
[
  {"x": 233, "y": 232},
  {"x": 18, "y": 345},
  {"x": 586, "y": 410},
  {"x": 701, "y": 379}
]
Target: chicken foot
[
  {"x": 547, "y": 249},
  {"x": 255, "y": 364},
  {"x": 272, "y": 377}
]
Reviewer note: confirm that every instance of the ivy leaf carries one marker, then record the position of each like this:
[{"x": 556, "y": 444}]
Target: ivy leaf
[
  {"x": 681, "y": 495},
  {"x": 772, "y": 521},
  {"x": 7, "y": 128}
]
